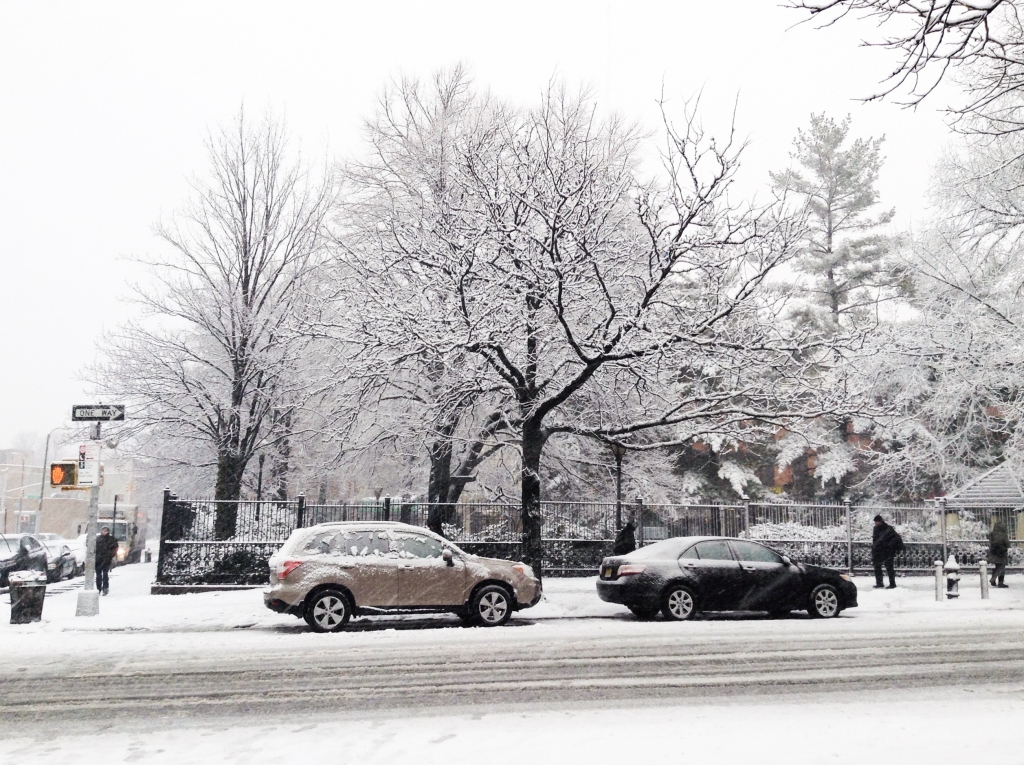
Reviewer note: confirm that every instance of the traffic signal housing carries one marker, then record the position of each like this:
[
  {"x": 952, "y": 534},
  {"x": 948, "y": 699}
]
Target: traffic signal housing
[{"x": 63, "y": 473}]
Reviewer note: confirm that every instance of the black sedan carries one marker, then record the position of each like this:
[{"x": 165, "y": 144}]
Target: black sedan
[
  {"x": 686, "y": 575},
  {"x": 20, "y": 552}
]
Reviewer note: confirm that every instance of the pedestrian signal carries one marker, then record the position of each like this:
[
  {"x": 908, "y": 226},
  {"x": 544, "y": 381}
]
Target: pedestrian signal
[{"x": 63, "y": 473}]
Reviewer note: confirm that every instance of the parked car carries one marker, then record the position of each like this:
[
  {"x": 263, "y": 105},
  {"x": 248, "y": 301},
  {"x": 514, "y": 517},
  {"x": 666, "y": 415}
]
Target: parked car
[
  {"x": 686, "y": 575},
  {"x": 327, "y": 573},
  {"x": 20, "y": 552},
  {"x": 76, "y": 546},
  {"x": 60, "y": 559}
]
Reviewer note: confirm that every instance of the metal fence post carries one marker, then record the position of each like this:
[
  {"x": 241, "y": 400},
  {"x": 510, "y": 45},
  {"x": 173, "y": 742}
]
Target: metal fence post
[
  {"x": 161, "y": 555},
  {"x": 746, "y": 520},
  {"x": 942, "y": 525},
  {"x": 300, "y": 511},
  {"x": 387, "y": 508},
  {"x": 640, "y": 518},
  {"x": 849, "y": 536}
]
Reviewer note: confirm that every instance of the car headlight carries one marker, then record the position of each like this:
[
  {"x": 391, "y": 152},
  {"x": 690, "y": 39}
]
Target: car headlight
[
  {"x": 523, "y": 569},
  {"x": 847, "y": 577}
]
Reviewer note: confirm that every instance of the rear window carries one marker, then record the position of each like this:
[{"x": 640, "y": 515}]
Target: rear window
[
  {"x": 668, "y": 549},
  {"x": 349, "y": 542}
]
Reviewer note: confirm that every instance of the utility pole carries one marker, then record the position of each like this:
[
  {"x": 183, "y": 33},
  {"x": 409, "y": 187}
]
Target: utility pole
[
  {"x": 619, "y": 450},
  {"x": 3, "y": 500},
  {"x": 89, "y": 596},
  {"x": 42, "y": 479}
]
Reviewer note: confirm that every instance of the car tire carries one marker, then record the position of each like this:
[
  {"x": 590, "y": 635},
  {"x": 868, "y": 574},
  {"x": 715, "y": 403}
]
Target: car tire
[
  {"x": 644, "y": 613},
  {"x": 824, "y": 602},
  {"x": 328, "y": 611},
  {"x": 678, "y": 603},
  {"x": 491, "y": 606}
]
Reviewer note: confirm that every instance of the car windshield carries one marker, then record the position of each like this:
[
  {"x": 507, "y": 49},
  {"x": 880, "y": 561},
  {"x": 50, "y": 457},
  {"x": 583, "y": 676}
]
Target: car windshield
[{"x": 5, "y": 548}]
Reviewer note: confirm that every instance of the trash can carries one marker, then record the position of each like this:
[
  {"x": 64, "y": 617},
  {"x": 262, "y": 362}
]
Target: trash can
[{"x": 28, "y": 589}]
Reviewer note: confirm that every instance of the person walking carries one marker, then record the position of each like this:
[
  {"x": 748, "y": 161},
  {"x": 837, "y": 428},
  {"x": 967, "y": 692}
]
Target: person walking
[
  {"x": 625, "y": 540},
  {"x": 886, "y": 544},
  {"x": 106, "y": 549},
  {"x": 998, "y": 552}
]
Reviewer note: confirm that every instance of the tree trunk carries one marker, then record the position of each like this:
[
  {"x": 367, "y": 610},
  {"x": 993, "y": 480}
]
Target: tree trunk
[
  {"x": 533, "y": 446},
  {"x": 230, "y": 468}
]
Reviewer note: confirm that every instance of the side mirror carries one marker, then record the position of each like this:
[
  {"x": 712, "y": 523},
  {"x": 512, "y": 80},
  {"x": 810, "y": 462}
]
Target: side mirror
[
  {"x": 447, "y": 557},
  {"x": 786, "y": 560}
]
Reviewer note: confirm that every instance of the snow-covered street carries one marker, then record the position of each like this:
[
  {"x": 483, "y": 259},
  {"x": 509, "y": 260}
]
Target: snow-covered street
[{"x": 216, "y": 677}]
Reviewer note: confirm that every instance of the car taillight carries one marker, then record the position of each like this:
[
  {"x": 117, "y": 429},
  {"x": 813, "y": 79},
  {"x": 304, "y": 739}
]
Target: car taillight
[
  {"x": 286, "y": 567},
  {"x": 631, "y": 568}
]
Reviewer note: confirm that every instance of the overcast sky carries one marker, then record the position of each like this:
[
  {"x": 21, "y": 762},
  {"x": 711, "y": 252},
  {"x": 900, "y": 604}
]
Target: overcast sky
[{"x": 104, "y": 107}]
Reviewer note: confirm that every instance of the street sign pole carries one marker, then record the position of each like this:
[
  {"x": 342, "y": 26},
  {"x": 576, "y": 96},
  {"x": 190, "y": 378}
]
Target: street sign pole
[{"x": 89, "y": 596}]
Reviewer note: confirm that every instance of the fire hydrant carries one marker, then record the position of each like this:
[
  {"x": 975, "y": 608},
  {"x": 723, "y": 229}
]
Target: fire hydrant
[{"x": 952, "y": 571}]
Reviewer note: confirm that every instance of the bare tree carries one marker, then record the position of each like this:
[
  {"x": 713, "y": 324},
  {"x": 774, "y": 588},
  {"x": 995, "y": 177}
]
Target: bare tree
[
  {"x": 980, "y": 41},
  {"x": 213, "y": 360},
  {"x": 578, "y": 299},
  {"x": 956, "y": 368}
]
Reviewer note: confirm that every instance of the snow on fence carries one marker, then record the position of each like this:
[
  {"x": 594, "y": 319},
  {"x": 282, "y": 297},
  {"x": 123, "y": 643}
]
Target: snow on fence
[{"x": 216, "y": 543}]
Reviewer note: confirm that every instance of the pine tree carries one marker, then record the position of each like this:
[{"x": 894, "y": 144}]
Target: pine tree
[
  {"x": 844, "y": 267},
  {"x": 845, "y": 257}
]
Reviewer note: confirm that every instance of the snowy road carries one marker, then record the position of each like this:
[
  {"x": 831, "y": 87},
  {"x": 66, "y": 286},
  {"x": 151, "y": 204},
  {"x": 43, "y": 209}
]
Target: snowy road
[
  {"x": 218, "y": 678},
  {"x": 495, "y": 673},
  {"x": 222, "y": 655}
]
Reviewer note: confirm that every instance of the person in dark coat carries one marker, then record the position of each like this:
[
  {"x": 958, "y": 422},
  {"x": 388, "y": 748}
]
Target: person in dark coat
[
  {"x": 998, "y": 552},
  {"x": 886, "y": 543},
  {"x": 625, "y": 540},
  {"x": 106, "y": 550}
]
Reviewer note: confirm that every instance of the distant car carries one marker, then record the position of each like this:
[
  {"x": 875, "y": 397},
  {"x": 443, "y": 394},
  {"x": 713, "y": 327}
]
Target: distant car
[
  {"x": 60, "y": 560},
  {"x": 20, "y": 552},
  {"x": 686, "y": 575},
  {"x": 328, "y": 572},
  {"x": 77, "y": 547}
]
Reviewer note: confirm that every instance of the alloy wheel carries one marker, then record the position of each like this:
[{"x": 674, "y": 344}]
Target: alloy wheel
[
  {"x": 329, "y": 612},
  {"x": 679, "y": 604},
  {"x": 826, "y": 604},
  {"x": 493, "y": 607}
]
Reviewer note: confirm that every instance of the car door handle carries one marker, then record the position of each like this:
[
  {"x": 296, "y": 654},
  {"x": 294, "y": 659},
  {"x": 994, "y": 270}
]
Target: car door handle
[{"x": 750, "y": 568}]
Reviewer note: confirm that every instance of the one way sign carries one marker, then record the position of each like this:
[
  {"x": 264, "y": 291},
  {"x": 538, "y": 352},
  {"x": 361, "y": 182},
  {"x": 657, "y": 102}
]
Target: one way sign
[{"x": 97, "y": 413}]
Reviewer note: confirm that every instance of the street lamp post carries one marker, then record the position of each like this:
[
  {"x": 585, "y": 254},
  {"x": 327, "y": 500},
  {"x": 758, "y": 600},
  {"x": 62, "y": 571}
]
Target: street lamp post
[
  {"x": 42, "y": 482},
  {"x": 618, "y": 450}
]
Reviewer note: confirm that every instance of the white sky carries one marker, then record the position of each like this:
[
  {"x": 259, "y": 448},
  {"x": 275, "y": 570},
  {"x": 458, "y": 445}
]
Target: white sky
[{"x": 104, "y": 107}]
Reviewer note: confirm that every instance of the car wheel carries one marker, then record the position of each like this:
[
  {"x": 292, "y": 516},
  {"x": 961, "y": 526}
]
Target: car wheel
[
  {"x": 678, "y": 603},
  {"x": 328, "y": 611},
  {"x": 491, "y": 606},
  {"x": 644, "y": 612},
  {"x": 824, "y": 602}
]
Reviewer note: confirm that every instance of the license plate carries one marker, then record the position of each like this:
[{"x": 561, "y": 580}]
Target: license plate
[{"x": 606, "y": 573}]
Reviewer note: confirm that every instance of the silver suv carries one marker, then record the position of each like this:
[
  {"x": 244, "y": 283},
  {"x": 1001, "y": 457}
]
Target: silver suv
[{"x": 328, "y": 572}]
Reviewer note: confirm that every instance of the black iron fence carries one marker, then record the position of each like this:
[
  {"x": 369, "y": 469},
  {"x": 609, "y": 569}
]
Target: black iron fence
[{"x": 576, "y": 535}]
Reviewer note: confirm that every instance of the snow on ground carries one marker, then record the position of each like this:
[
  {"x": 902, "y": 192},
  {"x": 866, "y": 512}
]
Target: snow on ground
[
  {"x": 896, "y": 726},
  {"x": 885, "y": 730},
  {"x": 132, "y": 619}
]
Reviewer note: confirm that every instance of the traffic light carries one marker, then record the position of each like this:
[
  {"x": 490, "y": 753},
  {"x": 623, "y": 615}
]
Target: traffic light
[{"x": 63, "y": 473}]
